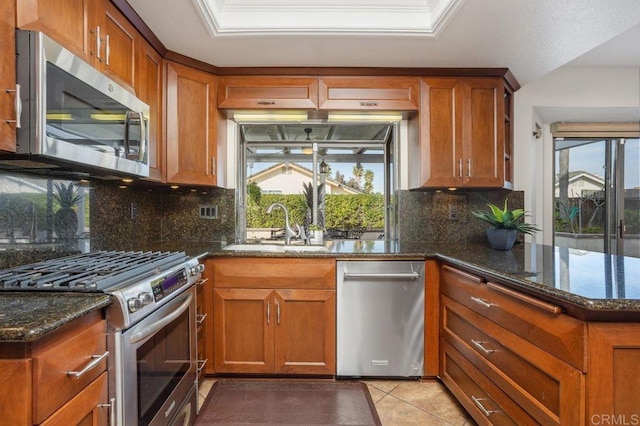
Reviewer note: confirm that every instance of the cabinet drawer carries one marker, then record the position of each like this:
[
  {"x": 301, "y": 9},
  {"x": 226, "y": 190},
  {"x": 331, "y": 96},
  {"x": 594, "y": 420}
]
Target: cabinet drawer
[
  {"x": 86, "y": 408},
  {"x": 536, "y": 321},
  {"x": 547, "y": 388},
  {"x": 365, "y": 93},
  {"x": 486, "y": 403},
  {"x": 267, "y": 92},
  {"x": 53, "y": 383},
  {"x": 256, "y": 272}
]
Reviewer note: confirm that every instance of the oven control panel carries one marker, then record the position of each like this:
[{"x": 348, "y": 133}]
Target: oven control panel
[{"x": 164, "y": 286}]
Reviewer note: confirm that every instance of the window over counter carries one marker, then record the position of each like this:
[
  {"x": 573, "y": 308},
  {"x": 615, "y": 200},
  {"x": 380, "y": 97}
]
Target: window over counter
[{"x": 338, "y": 177}]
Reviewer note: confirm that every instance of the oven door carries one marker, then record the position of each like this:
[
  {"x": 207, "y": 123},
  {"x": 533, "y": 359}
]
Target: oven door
[{"x": 157, "y": 369}]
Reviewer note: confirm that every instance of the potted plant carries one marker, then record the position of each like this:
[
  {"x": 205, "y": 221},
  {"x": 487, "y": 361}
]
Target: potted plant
[{"x": 506, "y": 225}]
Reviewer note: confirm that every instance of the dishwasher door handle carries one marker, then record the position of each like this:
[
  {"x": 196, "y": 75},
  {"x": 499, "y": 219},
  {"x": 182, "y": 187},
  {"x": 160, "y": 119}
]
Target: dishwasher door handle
[{"x": 409, "y": 275}]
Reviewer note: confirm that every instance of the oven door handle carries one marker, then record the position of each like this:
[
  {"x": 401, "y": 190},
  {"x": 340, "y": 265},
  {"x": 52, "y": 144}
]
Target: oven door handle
[{"x": 160, "y": 324}]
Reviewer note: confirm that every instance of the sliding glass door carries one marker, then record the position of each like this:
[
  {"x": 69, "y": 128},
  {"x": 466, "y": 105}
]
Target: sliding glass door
[{"x": 597, "y": 194}]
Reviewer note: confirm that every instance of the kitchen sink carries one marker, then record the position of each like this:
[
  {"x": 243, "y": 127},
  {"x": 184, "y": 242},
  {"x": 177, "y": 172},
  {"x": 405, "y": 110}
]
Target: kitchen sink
[{"x": 276, "y": 248}]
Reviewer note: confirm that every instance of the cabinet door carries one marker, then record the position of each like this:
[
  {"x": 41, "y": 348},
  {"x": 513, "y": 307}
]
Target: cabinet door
[
  {"x": 243, "y": 331},
  {"x": 117, "y": 58},
  {"x": 441, "y": 133},
  {"x": 87, "y": 408},
  {"x": 149, "y": 90},
  {"x": 262, "y": 92},
  {"x": 63, "y": 20},
  {"x": 191, "y": 125},
  {"x": 613, "y": 383},
  {"x": 7, "y": 77},
  {"x": 305, "y": 339},
  {"x": 369, "y": 93},
  {"x": 483, "y": 130}
]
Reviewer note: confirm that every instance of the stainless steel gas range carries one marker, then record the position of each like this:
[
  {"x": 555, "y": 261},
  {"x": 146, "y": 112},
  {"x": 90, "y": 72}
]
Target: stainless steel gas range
[{"x": 151, "y": 337}]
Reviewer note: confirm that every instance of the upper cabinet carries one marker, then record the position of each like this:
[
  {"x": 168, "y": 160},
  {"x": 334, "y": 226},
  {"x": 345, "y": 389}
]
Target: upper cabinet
[
  {"x": 265, "y": 92},
  {"x": 149, "y": 83},
  {"x": 465, "y": 132},
  {"x": 93, "y": 30},
  {"x": 369, "y": 93},
  {"x": 191, "y": 122},
  {"x": 8, "y": 95}
]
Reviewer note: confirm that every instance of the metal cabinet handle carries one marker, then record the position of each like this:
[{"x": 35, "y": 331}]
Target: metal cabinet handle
[
  {"x": 482, "y": 302},
  {"x": 478, "y": 344},
  {"x": 18, "y": 106},
  {"x": 469, "y": 167},
  {"x": 112, "y": 409},
  {"x": 277, "y": 312},
  {"x": 268, "y": 313},
  {"x": 408, "y": 275},
  {"x": 368, "y": 103},
  {"x": 202, "y": 281},
  {"x": 266, "y": 102},
  {"x": 460, "y": 167},
  {"x": 95, "y": 360},
  {"x": 200, "y": 319},
  {"x": 98, "y": 42},
  {"x": 107, "y": 50},
  {"x": 213, "y": 165},
  {"x": 478, "y": 402},
  {"x": 201, "y": 364}
]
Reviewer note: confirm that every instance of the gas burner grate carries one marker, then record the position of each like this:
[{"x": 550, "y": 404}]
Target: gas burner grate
[{"x": 95, "y": 271}]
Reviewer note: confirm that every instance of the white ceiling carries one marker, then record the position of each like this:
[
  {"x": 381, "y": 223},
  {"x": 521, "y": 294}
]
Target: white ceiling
[{"x": 531, "y": 37}]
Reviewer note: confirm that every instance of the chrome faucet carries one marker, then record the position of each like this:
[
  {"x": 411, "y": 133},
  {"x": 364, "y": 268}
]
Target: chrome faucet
[{"x": 288, "y": 232}]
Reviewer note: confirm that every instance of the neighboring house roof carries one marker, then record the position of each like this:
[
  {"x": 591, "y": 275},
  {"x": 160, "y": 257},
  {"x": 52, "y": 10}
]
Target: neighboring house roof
[
  {"x": 297, "y": 176},
  {"x": 583, "y": 176},
  {"x": 581, "y": 184}
]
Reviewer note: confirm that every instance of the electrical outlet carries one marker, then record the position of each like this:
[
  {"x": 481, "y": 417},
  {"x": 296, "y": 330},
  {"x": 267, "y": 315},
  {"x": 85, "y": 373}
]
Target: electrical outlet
[
  {"x": 453, "y": 213},
  {"x": 134, "y": 211},
  {"x": 208, "y": 212}
]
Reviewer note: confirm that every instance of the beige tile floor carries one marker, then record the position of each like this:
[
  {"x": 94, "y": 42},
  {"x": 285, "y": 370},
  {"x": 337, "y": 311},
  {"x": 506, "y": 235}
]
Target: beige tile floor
[{"x": 402, "y": 402}]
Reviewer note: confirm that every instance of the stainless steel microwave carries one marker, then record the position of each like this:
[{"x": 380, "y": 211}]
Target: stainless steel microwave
[{"x": 73, "y": 116}]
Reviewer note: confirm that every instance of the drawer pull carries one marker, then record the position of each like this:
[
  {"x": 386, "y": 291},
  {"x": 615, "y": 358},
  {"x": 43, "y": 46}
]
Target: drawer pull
[
  {"x": 277, "y": 312},
  {"x": 482, "y": 302},
  {"x": 202, "y": 281},
  {"x": 268, "y": 313},
  {"x": 200, "y": 319},
  {"x": 480, "y": 346},
  {"x": 265, "y": 102},
  {"x": 368, "y": 103},
  {"x": 201, "y": 364},
  {"x": 95, "y": 360},
  {"x": 112, "y": 411},
  {"x": 528, "y": 299},
  {"x": 478, "y": 402}
]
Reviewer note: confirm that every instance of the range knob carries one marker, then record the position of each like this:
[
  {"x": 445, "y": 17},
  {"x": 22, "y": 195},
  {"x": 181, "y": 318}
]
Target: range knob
[
  {"x": 195, "y": 270},
  {"x": 136, "y": 303}
]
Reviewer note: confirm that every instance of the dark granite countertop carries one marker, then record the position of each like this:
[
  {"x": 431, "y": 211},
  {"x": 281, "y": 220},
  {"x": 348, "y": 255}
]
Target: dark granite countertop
[
  {"x": 588, "y": 285},
  {"x": 25, "y": 316}
]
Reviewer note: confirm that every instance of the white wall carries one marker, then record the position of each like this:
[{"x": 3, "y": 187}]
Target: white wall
[{"x": 567, "y": 94}]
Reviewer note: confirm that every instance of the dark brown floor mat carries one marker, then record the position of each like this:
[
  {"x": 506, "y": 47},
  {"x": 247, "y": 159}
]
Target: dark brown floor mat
[{"x": 288, "y": 403}]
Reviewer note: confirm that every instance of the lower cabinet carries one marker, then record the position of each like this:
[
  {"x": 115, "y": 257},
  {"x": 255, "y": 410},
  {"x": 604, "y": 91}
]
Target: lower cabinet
[
  {"x": 60, "y": 379},
  {"x": 273, "y": 315},
  {"x": 274, "y": 331}
]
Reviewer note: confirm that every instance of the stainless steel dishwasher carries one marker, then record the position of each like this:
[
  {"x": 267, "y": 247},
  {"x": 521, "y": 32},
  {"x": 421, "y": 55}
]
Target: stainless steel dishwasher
[{"x": 380, "y": 318}]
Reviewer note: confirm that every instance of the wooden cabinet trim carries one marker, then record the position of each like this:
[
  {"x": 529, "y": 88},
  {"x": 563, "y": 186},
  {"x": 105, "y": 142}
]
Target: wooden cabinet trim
[
  {"x": 548, "y": 307},
  {"x": 365, "y": 92},
  {"x": 268, "y": 92}
]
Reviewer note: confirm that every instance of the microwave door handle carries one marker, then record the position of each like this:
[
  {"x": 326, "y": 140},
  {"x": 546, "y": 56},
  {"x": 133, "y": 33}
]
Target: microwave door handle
[
  {"x": 127, "y": 129},
  {"x": 144, "y": 137}
]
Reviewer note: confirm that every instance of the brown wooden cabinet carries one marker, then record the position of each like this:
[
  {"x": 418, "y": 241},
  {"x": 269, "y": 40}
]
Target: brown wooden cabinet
[
  {"x": 369, "y": 93},
  {"x": 37, "y": 386},
  {"x": 263, "y": 324},
  {"x": 463, "y": 133},
  {"x": 204, "y": 321},
  {"x": 612, "y": 378},
  {"x": 191, "y": 120},
  {"x": 94, "y": 30},
  {"x": 525, "y": 347},
  {"x": 149, "y": 88},
  {"x": 267, "y": 92},
  {"x": 7, "y": 77}
]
